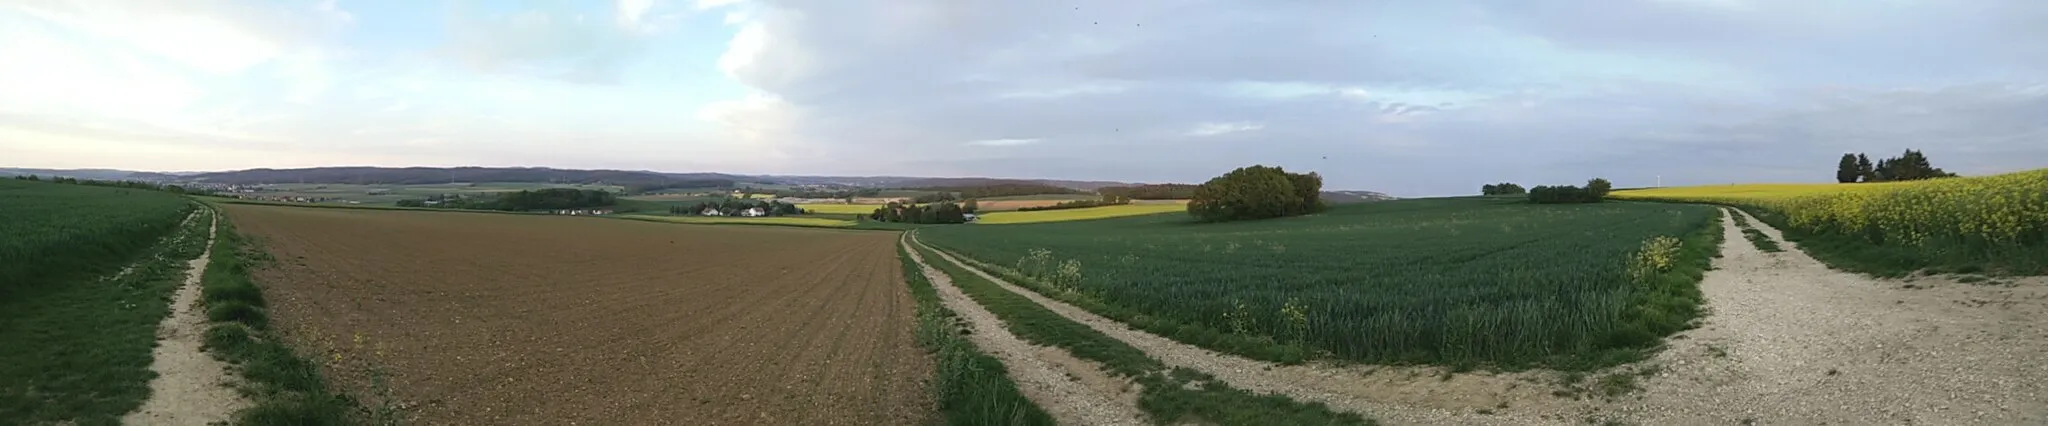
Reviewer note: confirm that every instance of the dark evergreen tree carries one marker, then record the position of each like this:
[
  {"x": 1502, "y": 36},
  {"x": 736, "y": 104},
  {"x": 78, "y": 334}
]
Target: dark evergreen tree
[
  {"x": 1846, "y": 171},
  {"x": 1865, "y": 172}
]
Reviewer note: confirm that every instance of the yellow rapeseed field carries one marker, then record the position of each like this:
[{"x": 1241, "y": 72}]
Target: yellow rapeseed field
[
  {"x": 1989, "y": 212},
  {"x": 840, "y": 208}
]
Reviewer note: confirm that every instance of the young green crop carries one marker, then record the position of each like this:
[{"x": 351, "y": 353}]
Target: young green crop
[
  {"x": 84, "y": 275},
  {"x": 1463, "y": 281}
]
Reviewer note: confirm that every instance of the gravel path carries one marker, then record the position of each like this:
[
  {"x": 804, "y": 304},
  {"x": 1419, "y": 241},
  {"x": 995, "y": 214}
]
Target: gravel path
[
  {"x": 1787, "y": 341},
  {"x": 1790, "y": 341},
  {"x": 1074, "y": 391},
  {"x": 191, "y": 387}
]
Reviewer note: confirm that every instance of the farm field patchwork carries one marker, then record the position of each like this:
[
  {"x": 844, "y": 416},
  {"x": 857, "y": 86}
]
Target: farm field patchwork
[
  {"x": 999, "y": 218},
  {"x": 516, "y": 319},
  {"x": 812, "y": 221},
  {"x": 84, "y": 274},
  {"x": 1973, "y": 224},
  {"x": 389, "y": 194},
  {"x": 1467, "y": 281}
]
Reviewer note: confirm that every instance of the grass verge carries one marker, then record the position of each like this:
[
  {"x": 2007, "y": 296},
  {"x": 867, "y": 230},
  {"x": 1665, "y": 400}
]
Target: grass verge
[
  {"x": 1757, "y": 238},
  {"x": 972, "y": 388},
  {"x": 1170, "y": 395},
  {"x": 79, "y": 351},
  {"x": 284, "y": 388}
]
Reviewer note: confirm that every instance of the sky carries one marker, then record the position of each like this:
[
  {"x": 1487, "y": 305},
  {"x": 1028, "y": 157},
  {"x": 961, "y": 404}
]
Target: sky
[{"x": 1404, "y": 97}]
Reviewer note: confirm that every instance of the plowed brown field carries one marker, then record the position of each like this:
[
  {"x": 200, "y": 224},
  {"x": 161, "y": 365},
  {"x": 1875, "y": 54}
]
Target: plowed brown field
[{"x": 504, "y": 319}]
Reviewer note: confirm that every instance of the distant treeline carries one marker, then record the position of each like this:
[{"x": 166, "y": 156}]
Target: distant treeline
[
  {"x": 817, "y": 193},
  {"x": 913, "y": 213},
  {"x": 1912, "y": 165},
  {"x": 1595, "y": 191},
  {"x": 734, "y": 206},
  {"x": 1107, "y": 200},
  {"x": 642, "y": 181},
  {"x": 1503, "y": 188},
  {"x": 1165, "y": 191},
  {"x": 115, "y": 184},
  {"x": 1001, "y": 190},
  {"x": 642, "y": 188},
  {"x": 527, "y": 200}
]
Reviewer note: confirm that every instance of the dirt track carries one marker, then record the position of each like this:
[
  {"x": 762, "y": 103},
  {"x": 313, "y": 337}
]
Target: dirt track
[{"x": 502, "y": 319}]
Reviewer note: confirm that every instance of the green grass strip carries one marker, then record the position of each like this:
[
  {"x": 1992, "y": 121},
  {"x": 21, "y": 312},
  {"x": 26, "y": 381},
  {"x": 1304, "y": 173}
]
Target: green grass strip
[
  {"x": 285, "y": 388},
  {"x": 78, "y": 351},
  {"x": 1171, "y": 395},
  {"x": 1756, "y": 237},
  {"x": 972, "y": 388}
]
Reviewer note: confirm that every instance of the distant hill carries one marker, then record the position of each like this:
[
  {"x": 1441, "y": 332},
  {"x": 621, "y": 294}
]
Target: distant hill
[
  {"x": 1346, "y": 197},
  {"x": 427, "y": 175},
  {"x": 932, "y": 182},
  {"x": 89, "y": 174},
  {"x": 633, "y": 179}
]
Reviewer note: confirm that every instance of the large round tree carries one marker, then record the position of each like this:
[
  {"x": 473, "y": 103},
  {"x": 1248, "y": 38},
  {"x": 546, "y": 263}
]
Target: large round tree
[{"x": 1256, "y": 192}]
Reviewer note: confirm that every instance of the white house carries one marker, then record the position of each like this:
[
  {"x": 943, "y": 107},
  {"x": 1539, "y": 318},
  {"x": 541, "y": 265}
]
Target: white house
[
  {"x": 711, "y": 212},
  {"x": 754, "y": 212}
]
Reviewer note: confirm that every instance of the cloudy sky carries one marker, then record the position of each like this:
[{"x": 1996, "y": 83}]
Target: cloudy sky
[{"x": 1407, "y": 97}]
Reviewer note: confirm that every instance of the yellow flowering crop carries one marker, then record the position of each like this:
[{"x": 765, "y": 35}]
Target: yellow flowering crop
[{"x": 2007, "y": 210}]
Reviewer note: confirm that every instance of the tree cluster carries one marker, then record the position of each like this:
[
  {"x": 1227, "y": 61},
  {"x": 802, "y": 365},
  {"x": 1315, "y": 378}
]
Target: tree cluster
[
  {"x": 1257, "y": 192},
  {"x": 734, "y": 206},
  {"x": 1912, "y": 165},
  {"x": 934, "y": 198},
  {"x": 943, "y": 212},
  {"x": 1594, "y": 191},
  {"x": 1503, "y": 188},
  {"x": 1164, "y": 191}
]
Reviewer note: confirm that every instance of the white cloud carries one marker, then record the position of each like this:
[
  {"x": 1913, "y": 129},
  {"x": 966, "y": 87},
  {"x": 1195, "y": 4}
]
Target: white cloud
[
  {"x": 1003, "y": 142},
  {"x": 333, "y": 12},
  {"x": 632, "y": 12},
  {"x": 1085, "y": 89},
  {"x": 1213, "y": 129},
  {"x": 744, "y": 48},
  {"x": 714, "y": 4}
]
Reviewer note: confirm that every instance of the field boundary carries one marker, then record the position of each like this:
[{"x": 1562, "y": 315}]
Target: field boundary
[
  {"x": 190, "y": 385},
  {"x": 971, "y": 387},
  {"x": 282, "y": 386},
  {"x": 1167, "y": 394}
]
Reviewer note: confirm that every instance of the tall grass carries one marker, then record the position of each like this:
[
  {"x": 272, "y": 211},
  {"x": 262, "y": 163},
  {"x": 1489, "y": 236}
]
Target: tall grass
[
  {"x": 1462, "y": 282},
  {"x": 1994, "y": 224},
  {"x": 972, "y": 388}
]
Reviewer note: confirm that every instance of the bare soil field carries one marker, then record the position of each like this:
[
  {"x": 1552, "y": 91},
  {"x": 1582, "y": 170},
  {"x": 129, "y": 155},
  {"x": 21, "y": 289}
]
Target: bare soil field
[{"x": 504, "y": 319}]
